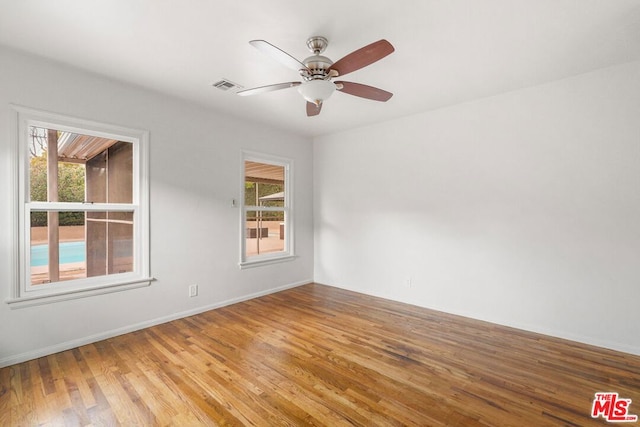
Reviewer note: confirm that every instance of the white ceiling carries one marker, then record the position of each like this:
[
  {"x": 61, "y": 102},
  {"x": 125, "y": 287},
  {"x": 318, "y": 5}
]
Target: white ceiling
[{"x": 447, "y": 51}]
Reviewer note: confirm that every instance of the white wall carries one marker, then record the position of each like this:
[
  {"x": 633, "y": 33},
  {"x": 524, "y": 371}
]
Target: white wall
[
  {"x": 521, "y": 209},
  {"x": 195, "y": 172}
]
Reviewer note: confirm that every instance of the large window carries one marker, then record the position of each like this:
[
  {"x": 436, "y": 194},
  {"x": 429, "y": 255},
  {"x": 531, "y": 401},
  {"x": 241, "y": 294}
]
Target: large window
[
  {"x": 266, "y": 210},
  {"x": 82, "y": 211}
]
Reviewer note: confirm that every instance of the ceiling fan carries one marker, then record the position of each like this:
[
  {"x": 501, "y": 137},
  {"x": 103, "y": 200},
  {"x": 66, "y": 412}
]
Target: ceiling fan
[{"x": 318, "y": 71}]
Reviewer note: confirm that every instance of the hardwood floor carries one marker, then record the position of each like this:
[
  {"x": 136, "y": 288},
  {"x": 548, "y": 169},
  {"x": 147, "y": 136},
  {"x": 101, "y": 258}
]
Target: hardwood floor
[{"x": 317, "y": 355}]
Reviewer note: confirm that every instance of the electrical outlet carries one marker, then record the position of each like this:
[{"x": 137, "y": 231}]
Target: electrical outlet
[
  {"x": 408, "y": 282},
  {"x": 193, "y": 290}
]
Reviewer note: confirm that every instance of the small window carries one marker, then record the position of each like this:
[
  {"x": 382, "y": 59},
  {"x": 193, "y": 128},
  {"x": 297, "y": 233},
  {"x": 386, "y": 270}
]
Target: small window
[
  {"x": 82, "y": 207},
  {"x": 266, "y": 210}
]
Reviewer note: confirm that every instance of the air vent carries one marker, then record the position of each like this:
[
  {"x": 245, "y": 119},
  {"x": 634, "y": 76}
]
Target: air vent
[{"x": 225, "y": 84}]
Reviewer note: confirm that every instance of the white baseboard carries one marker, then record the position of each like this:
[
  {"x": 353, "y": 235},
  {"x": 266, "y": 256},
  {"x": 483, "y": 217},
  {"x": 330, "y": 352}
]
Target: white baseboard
[
  {"x": 583, "y": 339},
  {"x": 45, "y": 351}
]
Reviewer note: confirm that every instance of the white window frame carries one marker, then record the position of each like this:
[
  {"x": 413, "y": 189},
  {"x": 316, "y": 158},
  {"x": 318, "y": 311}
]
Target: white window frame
[
  {"x": 274, "y": 257},
  {"x": 22, "y": 292}
]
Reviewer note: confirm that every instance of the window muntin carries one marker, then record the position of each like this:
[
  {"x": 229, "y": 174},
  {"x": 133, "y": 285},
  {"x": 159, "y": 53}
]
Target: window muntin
[
  {"x": 82, "y": 203},
  {"x": 266, "y": 209}
]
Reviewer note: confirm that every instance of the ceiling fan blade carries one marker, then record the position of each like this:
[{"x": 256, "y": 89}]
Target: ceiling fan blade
[
  {"x": 268, "y": 88},
  {"x": 313, "y": 109},
  {"x": 363, "y": 57},
  {"x": 364, "y": 91},
  {"x": 278, "y": 54}
]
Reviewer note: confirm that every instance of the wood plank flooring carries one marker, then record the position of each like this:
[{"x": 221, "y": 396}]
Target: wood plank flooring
[{"x": 317, "y": 355}]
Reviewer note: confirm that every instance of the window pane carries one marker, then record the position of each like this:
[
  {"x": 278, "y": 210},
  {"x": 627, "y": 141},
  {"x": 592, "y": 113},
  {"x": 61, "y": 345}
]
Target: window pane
[
  {"x": 264, "y": 232},
  {"x": 81, "y": 245},
  {"x": 264, "y": 184},
  {"x": 88, "y": 168}
]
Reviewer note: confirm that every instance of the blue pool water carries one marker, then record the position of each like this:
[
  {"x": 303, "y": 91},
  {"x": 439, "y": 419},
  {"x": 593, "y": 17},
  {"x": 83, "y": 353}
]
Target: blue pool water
[{"x": 69, "y": 252}]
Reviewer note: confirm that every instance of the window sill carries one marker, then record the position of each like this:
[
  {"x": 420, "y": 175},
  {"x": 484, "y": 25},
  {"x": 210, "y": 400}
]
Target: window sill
[
  {"x": 49, "y": 298},
  {"x": 265, "y": 261}
]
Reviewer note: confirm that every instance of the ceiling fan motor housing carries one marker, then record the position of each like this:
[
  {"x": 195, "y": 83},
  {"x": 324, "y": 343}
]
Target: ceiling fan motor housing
[{"x": 317, "y": 65}]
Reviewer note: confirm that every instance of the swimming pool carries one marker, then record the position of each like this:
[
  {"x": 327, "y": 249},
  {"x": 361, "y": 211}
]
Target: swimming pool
[{"x": 69, "y": 252}]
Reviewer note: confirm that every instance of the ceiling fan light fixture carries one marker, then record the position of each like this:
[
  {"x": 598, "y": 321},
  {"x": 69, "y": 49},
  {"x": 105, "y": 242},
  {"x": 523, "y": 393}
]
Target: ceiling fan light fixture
[{"x": 316, "y": 91}]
